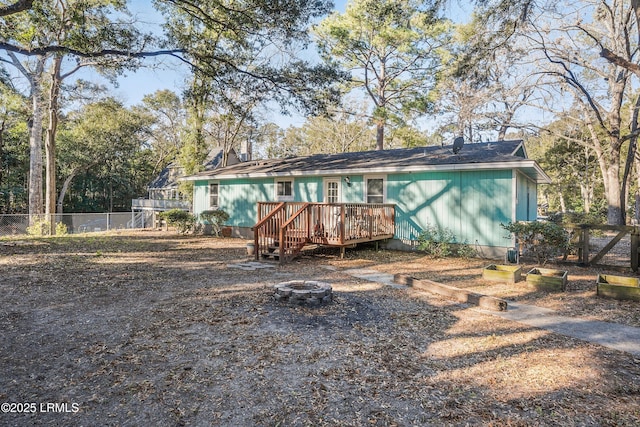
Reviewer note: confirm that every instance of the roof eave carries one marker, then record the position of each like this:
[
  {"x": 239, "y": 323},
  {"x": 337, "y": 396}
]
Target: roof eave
[{"x": 541, "y": 176}]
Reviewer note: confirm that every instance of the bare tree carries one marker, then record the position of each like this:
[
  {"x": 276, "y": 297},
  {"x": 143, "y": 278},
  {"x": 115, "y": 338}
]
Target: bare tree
[
  {"x": 480, "y": 94},
  {"x": 568, "y": 39}
]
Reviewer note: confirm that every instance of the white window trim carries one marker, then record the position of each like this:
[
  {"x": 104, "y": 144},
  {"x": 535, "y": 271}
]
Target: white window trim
[
  {"x": 384, "y": 186},
  {"x": 209, "y": 194},
  {"x": 283, "y": 198},
  {"x": 325, "y": 188}
]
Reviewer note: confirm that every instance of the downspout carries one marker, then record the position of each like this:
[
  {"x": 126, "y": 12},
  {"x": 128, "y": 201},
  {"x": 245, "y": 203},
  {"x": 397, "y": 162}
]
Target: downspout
[{"x": 514, "y": 199}]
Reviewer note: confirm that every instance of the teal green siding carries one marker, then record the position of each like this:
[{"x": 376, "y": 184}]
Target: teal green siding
[
  {"x": 526, "y": 199},
  {"x": 200, "y": 196},
  {"x": 237, "y": 197},
  {"x": 470, "y": 204},
  {"x": 307, "y": 189},
  {"x": 354, "y": 191}
]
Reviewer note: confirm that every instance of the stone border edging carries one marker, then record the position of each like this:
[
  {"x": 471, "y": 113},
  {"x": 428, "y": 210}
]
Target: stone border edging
[{"x": 460, "y": 295}]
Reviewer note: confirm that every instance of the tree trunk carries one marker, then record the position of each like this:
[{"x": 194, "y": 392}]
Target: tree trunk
[
  {"x": 502, "y": 132},
  {"x": 380, "y": 136},
  {"x": 586, "y": 192},
  {"x": 2, "y": 128},
  {"x": 64, "y": 189},
  {"x": 563, "y": 206},
  {"x": 35, "y": 152},
  {"x": 613, "y": 195},
  {"x": 609, "y": 163},
  {"x": 50, "y": 144},
  {"x": 631, "y": 154},
  {"x": 637, "y": 193}
]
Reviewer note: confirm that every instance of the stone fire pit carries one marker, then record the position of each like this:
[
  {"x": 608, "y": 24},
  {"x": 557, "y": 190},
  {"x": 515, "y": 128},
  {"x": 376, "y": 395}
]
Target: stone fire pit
[{"x": 303, "y": 292}]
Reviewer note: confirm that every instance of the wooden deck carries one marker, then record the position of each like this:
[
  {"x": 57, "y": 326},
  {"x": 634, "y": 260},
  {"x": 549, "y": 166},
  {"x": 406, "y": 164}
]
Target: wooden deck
[{"x": 283, "y": 229}]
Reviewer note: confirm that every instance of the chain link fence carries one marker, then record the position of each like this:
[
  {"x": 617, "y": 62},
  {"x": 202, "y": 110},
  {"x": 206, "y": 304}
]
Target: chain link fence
[{"x": 11, "y": 225}]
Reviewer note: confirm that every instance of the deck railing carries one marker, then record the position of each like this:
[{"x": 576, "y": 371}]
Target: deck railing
[
  {"x": 265, "y": 208},
  {"x": 267, "y": 231},
  {"x": 294, "y": 233},
  {"x": 287, "y": 227},
  {"x": 159, "y": 204},
  {"x": 347, "y": 223}
]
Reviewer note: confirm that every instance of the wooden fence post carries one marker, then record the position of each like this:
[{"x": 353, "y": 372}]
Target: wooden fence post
[
  {"x": 584, "y": 247},
  {"x": 635, "y": 245}
]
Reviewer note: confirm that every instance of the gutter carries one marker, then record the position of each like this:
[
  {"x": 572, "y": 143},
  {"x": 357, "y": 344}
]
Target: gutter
[{"x": 541, "y": 176}]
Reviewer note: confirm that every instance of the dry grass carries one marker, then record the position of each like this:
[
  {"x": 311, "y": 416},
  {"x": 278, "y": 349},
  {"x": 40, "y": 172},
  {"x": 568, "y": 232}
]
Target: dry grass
[{"x": 157, "y": 329}]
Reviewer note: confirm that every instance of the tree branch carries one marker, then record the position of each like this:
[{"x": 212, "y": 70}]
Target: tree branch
[
  {"x": 18, "y": 6},
  {"x": 619, "y": 61},
  {"x": 41, "y": 51}
]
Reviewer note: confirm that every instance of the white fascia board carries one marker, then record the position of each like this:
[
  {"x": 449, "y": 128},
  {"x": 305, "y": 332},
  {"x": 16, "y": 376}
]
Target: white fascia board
[{"x": 542, "y": 176}]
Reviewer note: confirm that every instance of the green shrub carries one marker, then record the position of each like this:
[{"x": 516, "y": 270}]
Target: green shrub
[
  {"x": 214, "y": 218},
  {"x": 441, "y": 242},
  {"x": 436, "y": 241},
  {"x": 61, "y": 229},
  {"x": 41, "y": 227},
  {"x": 543, "y": 240},
  {"x": 182, "y": 220},
  {"x": 466, "y": 251}
]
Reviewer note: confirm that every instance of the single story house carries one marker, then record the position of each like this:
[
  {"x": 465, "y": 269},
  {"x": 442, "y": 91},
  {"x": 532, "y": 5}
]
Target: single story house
[{"x": 470, "y": 191}]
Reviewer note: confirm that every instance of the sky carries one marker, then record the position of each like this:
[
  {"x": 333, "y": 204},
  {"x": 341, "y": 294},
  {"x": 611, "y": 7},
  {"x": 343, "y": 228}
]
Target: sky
[{"x": 165, "y": 73}]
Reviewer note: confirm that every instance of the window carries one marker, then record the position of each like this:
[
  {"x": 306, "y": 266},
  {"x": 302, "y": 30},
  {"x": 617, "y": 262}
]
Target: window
[
  {"x": 284, "y": 190},
  {"x": 332, "y": 190},
  {"x": 213, "y": 195},
  {"x": 375, "y": 190}
]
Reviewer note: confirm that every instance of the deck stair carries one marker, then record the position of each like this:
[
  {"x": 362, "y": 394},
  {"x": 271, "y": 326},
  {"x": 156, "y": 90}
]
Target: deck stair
[{"x": 284, "y": 229}]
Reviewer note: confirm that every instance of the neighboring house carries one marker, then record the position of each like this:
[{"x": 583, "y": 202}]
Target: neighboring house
[
  {"x": 163, "y": 192},
  {"x": 470, "y": 193}
]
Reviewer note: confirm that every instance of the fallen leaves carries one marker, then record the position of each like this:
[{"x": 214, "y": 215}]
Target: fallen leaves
[{"x": 158, "y": 330}]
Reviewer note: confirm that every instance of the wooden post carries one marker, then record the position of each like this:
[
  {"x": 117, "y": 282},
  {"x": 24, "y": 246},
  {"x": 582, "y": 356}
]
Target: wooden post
[
  {"x": 635, "y": 245},
  {"x": 342, "y": 227},
  {"x": 256, "y": 244},
  {"x": 281, "y": 250},
  {"x": 584, "y": 255}
]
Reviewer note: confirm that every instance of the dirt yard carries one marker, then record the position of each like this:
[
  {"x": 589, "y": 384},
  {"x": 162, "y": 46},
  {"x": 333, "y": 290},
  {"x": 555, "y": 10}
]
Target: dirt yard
[{"x": 158, "y": 329}]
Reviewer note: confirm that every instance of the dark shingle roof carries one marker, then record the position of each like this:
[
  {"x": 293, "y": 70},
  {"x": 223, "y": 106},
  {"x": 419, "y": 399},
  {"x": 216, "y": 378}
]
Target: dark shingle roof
[
  {"x": 168, "y": 179},
  {"x": 163, "y": 180},
  {"x": 378, "y": 161}
]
